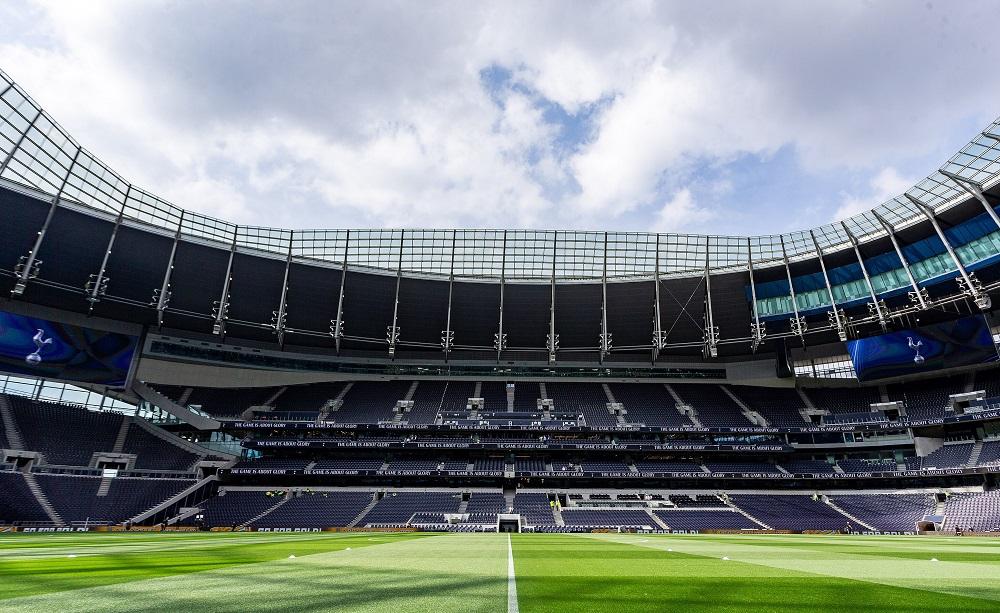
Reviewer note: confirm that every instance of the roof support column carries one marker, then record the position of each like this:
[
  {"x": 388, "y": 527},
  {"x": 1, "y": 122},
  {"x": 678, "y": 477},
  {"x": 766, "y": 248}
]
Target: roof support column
[
  {"x": 279, "y": 317},
  {"x": 161, "y": 296},
  {"x": 836, "y": 315},
  {"x": 27, "y": 267},
  {"x": 976, "y": 191},
  {"x": 798, "y": 324},
  {"x": 711, "y": 349},
  {"x": 221, "y": 306},
  {"x": 919, "y": 294},
  {"x": 97, "y": 284},
  {"x": 968, "y": 282},
  {"x": 552, "y": 340},
  {"x": 337, "y": 325},
  {"x": 875, "y": 307},
  {"x": 757, "y": 328},
  {"x": 500, "y": 338},
  {"x": 392, "y": 331},
  {"x": 605, "y": 338},
  {"x": 447, "y": 335},
  {"x": 659, "y": 337},
  {"x": 20, "y": 141}
]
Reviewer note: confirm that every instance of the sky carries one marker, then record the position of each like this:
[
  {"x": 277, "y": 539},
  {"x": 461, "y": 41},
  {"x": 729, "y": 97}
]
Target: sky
[{"x": 704, "y": 117}]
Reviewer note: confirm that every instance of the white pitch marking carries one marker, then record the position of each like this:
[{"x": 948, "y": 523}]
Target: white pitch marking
[{"x": 511, "y": 580}]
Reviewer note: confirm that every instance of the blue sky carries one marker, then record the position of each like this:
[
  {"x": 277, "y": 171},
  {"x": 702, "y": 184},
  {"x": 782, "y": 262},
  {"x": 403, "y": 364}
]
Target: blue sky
[{"x": 728, "y": 117}]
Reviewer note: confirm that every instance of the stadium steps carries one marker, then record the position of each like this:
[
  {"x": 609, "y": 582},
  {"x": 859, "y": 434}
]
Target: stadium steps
[
  {"x": 185, "y": 396},
  {"x": 186, "y": 513},
  {"x": 176, "y": 498},
  {"x": 782, "y": 468},
  {"x": 829, "y": 501},
  {"x": 544, "y": 393},
  {"x": 10, "y": 426},
  {"x": 410, "y": 392},
  {"x": 177, "y": 441},
  {"x": 608, "y": 393},
  {"x": 43, "y": 501},
  {"x": 274, "y": 397},
  {"x": 463, "y": 507},
  {"x": 751, "y": 416},
  {"x": 508, "y": 495},
  {"x": 180, "y": 411},
  {"x": 478, "y": 391},
  {"x": 360, "y": 516},
  {"x": 656, "y": 520},
  {"x": 806, "y": 400},
  {"x": 687, "y": 410},
  {"x": 122, "y": 435},
  {"x": 333, "y": 405},
  {"x": 557, "y": 514},
  {"x": 837, "y": 469},
  {"x": 104, "y": 487},
  {"x": 270, "y": 510},
  {"x": 977, "y": 449},
  {"x": 729, "y": 503}
]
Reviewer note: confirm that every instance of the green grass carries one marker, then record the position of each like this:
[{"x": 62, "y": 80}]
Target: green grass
[{"x": 399, "y": 573}]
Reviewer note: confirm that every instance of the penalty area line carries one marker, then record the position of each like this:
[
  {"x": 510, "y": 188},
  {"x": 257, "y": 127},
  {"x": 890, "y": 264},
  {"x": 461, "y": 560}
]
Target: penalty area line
[{"x": 511, "y": 580}]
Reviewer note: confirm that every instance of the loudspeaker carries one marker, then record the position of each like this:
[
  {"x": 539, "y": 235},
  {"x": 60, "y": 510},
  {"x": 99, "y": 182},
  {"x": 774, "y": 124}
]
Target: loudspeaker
[{"x": 783, "y": 361}]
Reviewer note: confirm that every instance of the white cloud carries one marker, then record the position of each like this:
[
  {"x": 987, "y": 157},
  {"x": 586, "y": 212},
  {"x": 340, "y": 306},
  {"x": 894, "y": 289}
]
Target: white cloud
[
  {"x": 885, "y": 185},
  {"x": 316, "y": 115},
  {"x": 681, "y": 212}
]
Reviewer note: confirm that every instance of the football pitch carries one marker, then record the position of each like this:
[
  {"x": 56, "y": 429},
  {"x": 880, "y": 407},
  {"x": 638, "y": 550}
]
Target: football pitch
[{"x": 404, "y": 572}]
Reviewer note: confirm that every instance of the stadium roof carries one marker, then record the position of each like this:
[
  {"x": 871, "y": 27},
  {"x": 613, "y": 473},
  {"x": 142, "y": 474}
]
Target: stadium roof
[{"x": 35, "y": 151}]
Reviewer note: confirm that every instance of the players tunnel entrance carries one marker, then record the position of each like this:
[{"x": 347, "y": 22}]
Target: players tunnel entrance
[{"x": 509, "y": 523}]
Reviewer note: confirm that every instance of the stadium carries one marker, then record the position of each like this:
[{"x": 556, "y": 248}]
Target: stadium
[{"x": 203, "y": 415}]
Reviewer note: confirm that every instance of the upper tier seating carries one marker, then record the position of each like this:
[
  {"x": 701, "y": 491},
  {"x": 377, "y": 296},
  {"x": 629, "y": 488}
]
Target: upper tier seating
[
  {"x": 843, "y": 399},
  {"x": 273, "y": 464},
  {"x": 494, "y": 394},
  {"x": 427, "y": 401},
  {"x": 155, "y": 453},
  {"x": 308, "y": 397},
  {"x": 714, "y": 406},
  {"x": 741, "y": 467},
  {"x": 648, "y": 403},
  {"x": 665, "y": 466},
  {"x": 791, "y": 512},
  {"x": 64, "y": 434},
  {"x": 587, "y": 399},
  {"x": 949, "y": 455},
  {"x": 228, "y": 402},
  {"x": 926, "y": 399},
  {"x": 526, "y": 395},
  {"x": 865, "y": 465},
  {"x": 778, "y": 405},
  {"x": 369, "y": 402},
  {"x": 807, "y": 466},
  {"x": 990, "y": 454},
  {"x": 318, "y": 509},
  {"x": 456, "y": 396}
]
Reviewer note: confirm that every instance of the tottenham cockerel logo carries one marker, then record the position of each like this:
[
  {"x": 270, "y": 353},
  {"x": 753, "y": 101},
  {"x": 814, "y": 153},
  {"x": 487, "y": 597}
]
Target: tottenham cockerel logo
[
  {"x": 915, "y": 346},
  {"x": 40, "y": 341}
]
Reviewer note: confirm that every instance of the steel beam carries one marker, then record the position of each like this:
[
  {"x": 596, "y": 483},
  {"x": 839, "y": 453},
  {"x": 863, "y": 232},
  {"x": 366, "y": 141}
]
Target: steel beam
[
  {"x": 447, "y": 336},
  {"x": 757, "y": 329},
  {"x": 605, "y": 338},
  {"x": 20, "y": 140},
  {"x": 500, "y": 338},
  {"x": 918, "y": 293},
  {"x": 876, "y": 304},
  {"x": 798, "y": 324},
  {"x": 27, "y": 268},
  {"x": 553, "y": 340},
  {"x": 222, "y": 304},
  {"x": 392, "y": 332},
  {"x": 337, "y": 325},
  {"x": 161, "y": 296},
  {"x": 976, "y": 191},
  {"x": 838, "y": 321},
  {"x": 659, "y": 338},
  {"x": 711, "y": 348},
  {"x": 282, "y": 313},
  {"x": 98, "y": 283},
  {"x": 970, "y": 285}
]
